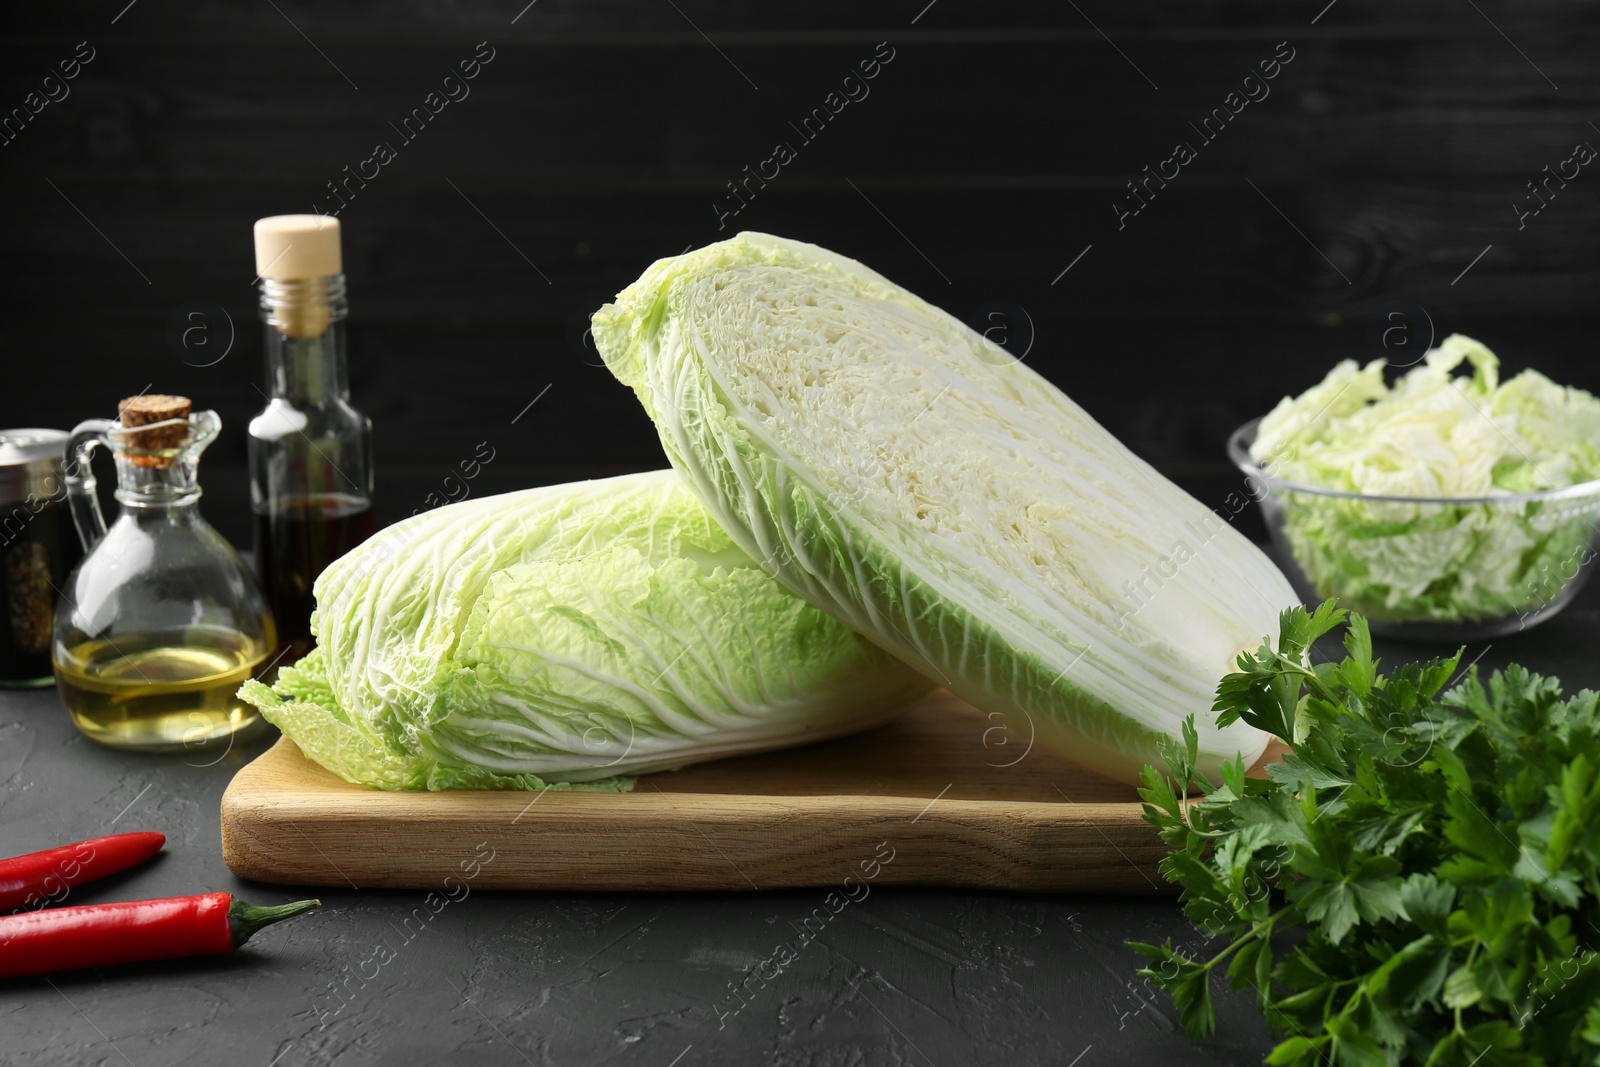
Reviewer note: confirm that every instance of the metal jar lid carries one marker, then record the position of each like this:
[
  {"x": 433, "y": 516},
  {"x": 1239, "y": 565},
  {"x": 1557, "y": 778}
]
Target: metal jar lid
[{"x": 30, "y": 465}]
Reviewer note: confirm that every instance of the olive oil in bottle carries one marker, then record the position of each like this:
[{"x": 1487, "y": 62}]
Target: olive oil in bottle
[
  {"x": 161, "y": 622},
  {"x": 172, "y": 690}
]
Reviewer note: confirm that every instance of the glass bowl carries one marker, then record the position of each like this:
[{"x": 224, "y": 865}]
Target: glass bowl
[{"x": 1448, "y": 569}]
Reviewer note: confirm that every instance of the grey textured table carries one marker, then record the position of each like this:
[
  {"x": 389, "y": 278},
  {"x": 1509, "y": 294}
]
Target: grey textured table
[{"x": 925, "y": 977}]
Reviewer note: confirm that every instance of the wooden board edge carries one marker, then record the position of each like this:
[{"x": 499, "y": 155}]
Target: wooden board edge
[
  {"x": 682, "y": 862},
  {"x": 736, "y": 844}
]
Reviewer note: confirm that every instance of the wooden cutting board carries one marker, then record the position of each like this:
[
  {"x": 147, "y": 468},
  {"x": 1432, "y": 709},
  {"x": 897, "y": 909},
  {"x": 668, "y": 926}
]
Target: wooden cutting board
[{"x": 952, "y": 796}]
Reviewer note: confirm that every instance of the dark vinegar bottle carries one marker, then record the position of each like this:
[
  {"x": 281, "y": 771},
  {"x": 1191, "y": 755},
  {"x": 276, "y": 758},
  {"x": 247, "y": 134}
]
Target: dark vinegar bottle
[
  {"x": 310, "y": 451},
  {"x": 296, "y": 537}
]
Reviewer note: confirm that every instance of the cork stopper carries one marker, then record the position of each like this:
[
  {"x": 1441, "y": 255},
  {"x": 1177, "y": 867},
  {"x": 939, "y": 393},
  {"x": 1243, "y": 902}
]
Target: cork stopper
[
  {"x": 148, "y": 408},
  {"x": 291, "y": 251},
  {"x": 292, "y": 247}
]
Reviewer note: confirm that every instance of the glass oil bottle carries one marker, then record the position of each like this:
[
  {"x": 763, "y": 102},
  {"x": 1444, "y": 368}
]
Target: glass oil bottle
[
  {"x": 310, "y": 450},
  {"x": 161, "y": 622}
]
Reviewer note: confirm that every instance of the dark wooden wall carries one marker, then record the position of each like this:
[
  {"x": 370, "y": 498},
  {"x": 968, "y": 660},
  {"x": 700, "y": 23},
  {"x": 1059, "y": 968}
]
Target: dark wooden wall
[{"x": 985, "y": 159}]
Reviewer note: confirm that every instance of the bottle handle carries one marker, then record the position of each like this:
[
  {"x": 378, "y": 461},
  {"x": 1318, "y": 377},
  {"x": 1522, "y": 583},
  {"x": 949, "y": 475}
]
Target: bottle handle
[{"x": 81, "y": 485}]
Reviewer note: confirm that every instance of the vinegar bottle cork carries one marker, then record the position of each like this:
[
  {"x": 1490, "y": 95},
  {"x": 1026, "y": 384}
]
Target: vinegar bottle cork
[{"x": 295, "y": 250}]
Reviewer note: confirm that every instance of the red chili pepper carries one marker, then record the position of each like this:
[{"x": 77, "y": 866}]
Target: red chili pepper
[
  {"x": 94, "y": 935},
  {"x": 36, "y": 878}
]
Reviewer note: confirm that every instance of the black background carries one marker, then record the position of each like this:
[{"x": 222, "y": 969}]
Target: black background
[{"x": 986, "y": 158}]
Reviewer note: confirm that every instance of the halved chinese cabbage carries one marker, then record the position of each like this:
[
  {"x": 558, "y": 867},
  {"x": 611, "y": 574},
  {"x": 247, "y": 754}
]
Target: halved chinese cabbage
[
  {"x": 904, "y": 473},
  {"x": 566, "y": 634}
]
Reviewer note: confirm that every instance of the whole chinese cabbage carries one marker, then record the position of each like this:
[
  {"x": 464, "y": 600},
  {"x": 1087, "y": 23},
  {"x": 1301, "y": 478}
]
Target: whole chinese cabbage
[
  {"x": 899, "y": 470},
  {"x": 1434, "y": 434},
  {"x": 571, "y": 633}
]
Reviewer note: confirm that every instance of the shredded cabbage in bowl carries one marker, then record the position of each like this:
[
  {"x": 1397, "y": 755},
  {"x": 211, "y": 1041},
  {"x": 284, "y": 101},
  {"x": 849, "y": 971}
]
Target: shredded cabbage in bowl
[{"x": 1468, "y": 543}]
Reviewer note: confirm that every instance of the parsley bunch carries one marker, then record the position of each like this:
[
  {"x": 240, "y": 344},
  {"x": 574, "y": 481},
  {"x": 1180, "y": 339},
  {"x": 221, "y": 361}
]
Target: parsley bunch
[{"x": 1416, "y": 883}]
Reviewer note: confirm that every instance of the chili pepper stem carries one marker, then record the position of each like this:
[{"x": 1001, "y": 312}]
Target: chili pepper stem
[{"x": 245, "y": 919}]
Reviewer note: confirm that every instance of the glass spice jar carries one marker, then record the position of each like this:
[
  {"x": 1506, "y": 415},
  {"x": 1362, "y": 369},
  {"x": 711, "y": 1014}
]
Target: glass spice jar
[{"x": 38, "y": 549}]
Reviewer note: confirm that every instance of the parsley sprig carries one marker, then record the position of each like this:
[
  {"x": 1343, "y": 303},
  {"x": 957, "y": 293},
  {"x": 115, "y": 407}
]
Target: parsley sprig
[{"x": 1416, "y": 883}]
